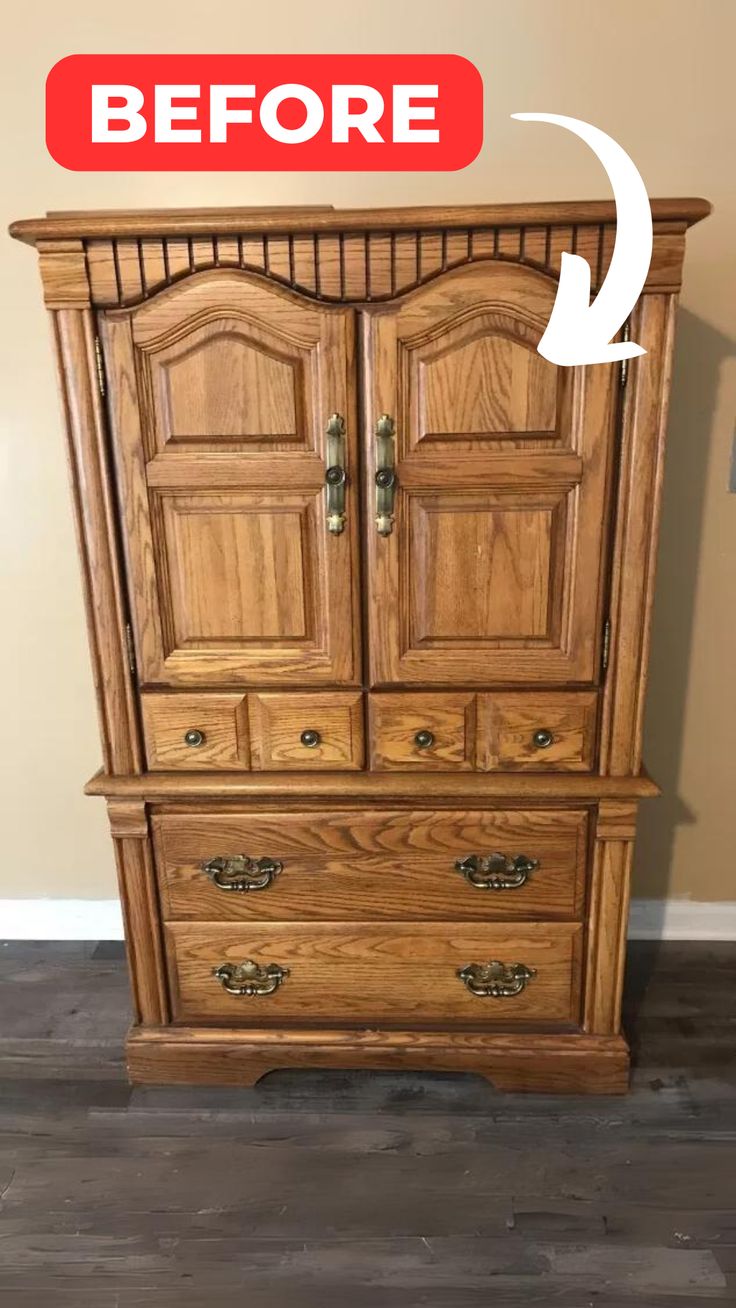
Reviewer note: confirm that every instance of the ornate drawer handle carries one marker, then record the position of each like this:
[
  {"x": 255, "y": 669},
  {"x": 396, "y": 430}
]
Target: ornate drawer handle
[
  {"x": 385, "y": 476},
  {"x": 241, "y": 872},
  {"x": 496, "y": 871},
  {"x": 335, "y": 475},
  {"x": 496, "y": 980},
  {"x": 249, "y": 978},
  {"x": 194, "y": 738},
  {"x": 310, "y": 739},
  {"x": 542, "y": 739}
]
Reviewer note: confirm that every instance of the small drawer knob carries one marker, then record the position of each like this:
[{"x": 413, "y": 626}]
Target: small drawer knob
[
  {"x": 542, "y": 739},
  {"x": 194, "y": 738},
  {"x": 424, "y": 739},
  {"x": 310, "y": 739}
]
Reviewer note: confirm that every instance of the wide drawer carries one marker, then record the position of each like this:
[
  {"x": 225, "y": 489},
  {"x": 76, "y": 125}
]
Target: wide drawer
[
  {"x": 377, "y": 864},
  {"x": 388, "y": 974}
]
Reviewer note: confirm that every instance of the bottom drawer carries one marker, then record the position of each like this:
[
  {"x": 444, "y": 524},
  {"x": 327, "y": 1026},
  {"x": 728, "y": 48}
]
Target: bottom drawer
[{"x": 368, "y": 974}]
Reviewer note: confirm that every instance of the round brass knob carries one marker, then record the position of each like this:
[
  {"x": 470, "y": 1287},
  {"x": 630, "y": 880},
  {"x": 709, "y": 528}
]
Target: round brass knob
[
  {"x": 385, "y": 478},
  {"x": 310, "y": 739},
  {"x": 194, "y": 737},
  {"x": 424, "y": 739},
  {"x": 542, "y": 739},
  {"x": 335, "y": 476}
]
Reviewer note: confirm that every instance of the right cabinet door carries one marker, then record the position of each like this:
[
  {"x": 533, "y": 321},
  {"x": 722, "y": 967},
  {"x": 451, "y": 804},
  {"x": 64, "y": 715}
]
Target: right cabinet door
[{"x": 492, "y": 570}]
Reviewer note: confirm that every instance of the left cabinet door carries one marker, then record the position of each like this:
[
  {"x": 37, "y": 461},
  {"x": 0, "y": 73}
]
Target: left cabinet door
[{"x": 220, "y": 391}]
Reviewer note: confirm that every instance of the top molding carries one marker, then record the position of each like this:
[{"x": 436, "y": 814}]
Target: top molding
[{"x": 141, "y": 223}]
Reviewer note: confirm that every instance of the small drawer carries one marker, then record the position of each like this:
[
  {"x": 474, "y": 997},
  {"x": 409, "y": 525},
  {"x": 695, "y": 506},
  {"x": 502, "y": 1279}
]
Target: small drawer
[
  {"x": 196, "y": 732},
  {"x": 423, "y": 732},
  {"x": 386, "y": 975},
  {"x": 371, "y": 865},
  {"x": 294, "y": 732},
  {"x": 533, "y": 731}
]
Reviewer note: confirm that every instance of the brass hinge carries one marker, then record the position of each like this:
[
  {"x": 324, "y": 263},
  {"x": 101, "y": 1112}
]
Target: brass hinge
[
  {"x": 100, "y": 368},
  {"x": 129, "y": 645},
  {"x": 606, "y": 644}
]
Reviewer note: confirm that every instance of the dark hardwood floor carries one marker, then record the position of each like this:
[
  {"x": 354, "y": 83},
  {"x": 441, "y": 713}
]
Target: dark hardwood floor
[{"x": 362, "y": 1190}]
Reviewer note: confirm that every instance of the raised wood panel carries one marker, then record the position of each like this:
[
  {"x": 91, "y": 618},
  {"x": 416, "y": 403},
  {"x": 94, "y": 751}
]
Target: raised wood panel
[
  {"x": 223, "y": 385},
  {"x": 485, "y": 567},
  {"x": 221, "y": 720},
  {"x": 507, "y": 724},
  {"x": 233, "y": 574},
  {"x": 495, "y": 569},
  {"x": 486, "y": 385},
  {"x": 356, "y": 865},
  {"x": 244, "y": 568},
  {"x": 277, "y": 723},
  {"x": 397, "y": 719},
  {"x": 375, "y": 974}
]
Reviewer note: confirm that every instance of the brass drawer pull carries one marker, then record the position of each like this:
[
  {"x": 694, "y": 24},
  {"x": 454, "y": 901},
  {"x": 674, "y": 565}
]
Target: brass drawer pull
[
  {"x": 496, "y": 980},
  {"x": 249, "y": 978},
  {"x": 310, "y": 739},
  {"x": 335, "y": 475},
  {"x": 242, "y": 873},
  {"x": 424, "y": 740},
  {"x": 386, "y": 479},
  {"x": 542, "y": 739},
  {"x": 194, "y": 738},
  {"x": 496, "y": 871}
]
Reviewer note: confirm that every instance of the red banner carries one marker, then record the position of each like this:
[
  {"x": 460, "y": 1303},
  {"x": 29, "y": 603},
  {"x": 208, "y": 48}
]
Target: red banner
[{"x": 251, "y": 113}]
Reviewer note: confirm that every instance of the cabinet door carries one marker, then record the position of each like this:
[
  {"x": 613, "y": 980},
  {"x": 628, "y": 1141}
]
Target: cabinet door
[
  {"x": 220, "y": 391},
  {"x": 493, "y": 570}
]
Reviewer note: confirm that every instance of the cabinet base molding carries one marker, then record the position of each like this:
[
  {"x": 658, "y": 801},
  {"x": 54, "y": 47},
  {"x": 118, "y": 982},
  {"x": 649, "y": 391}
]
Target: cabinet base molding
[{"x": 563, "y": 1064}]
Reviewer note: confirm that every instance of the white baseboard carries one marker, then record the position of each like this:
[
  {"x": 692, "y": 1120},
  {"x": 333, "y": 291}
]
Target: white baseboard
[
  {"x": 101, "y": 919},
  {"x": 682, "y": 919},
  {"x": 60, "y": 919}
]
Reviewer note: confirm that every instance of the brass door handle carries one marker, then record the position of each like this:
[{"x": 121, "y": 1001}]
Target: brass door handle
[
  {"x": 386, "y": 480},
  {"x": 335, "y": 475},
  {"x": 242, "y": 873},
  {"x": 496, "y": 980},
  {"x": 249, "y": 978},
  {"x": 496, "y": 871}
]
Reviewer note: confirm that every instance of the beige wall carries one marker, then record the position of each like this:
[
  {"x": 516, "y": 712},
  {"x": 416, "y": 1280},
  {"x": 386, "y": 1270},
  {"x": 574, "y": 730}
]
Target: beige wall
[{"x": 656, "y": 75}]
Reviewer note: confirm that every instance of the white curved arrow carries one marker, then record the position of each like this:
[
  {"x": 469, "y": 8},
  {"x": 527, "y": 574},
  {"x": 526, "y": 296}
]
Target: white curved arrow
[{"x": 580, "y": 332}]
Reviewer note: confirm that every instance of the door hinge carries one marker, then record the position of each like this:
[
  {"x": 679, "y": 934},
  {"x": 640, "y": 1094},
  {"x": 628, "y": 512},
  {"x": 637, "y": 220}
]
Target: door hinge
[
  {"x": 100, "y": 368},
  {"x": 606, "y": 644},
  {"x": 130, "y": 646},
  {"x": 624, "y": 374}
]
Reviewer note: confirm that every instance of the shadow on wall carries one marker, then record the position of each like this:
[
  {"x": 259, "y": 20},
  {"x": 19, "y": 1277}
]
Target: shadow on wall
[{"x": 699, "y": 355}]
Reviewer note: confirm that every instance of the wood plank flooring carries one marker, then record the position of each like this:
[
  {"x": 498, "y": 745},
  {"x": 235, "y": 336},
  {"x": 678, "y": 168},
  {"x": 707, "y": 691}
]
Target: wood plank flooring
[{"x": 362, "y": 1190}]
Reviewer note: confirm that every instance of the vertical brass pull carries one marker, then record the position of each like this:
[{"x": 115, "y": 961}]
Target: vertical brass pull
[
  {"x": 386, "y": 480},
  {"x": 335, "y": 475}
]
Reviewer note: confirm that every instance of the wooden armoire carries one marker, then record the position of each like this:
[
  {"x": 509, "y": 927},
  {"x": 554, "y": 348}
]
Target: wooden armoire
[{"x": 368, "y": 586}]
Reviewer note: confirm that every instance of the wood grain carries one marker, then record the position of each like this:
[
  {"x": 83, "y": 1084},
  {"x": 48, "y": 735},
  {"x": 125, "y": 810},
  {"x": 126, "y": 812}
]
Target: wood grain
[
  {"x": 241, "y": 586},
  {"x": 221, "y": 719},
  {"x": 396, "y": 719},
  {"x": 139, "y": 902},
  {"x": 481, "y": 583},
  {"x": 507, "y": 723},
  {"x": 372, "y": 974},
  {"x": 278, "y": 721},
  {"x": 357, "y": 865},
  {"x": 92, "y": 493}
]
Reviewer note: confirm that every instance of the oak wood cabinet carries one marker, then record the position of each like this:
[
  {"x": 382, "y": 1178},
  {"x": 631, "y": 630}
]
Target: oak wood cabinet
[{"x": 368, "y": 587}]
